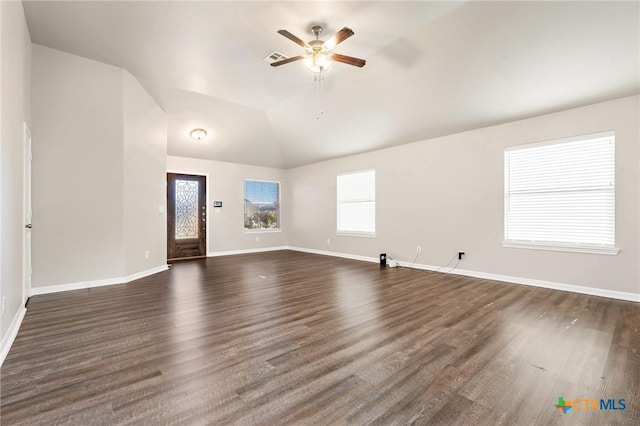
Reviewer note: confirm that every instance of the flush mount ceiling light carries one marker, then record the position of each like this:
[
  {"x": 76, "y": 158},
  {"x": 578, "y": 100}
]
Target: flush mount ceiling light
[
  {"x": 318, "y": 56},
  {"x": 198, "y": 134}
]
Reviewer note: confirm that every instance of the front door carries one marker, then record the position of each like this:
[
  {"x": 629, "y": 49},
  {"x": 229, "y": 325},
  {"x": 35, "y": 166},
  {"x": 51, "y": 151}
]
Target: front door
[{"x": 186, "y": 216}]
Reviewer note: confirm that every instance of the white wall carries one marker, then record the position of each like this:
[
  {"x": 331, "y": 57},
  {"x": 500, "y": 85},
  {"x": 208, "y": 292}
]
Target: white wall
[
  {"x": 77, "y": 169},
  {"x": 225, "y": 230},
  {"x": 15, "y": 109},
  {"x": 446, "y": 194},
  {"x": 145, "y": 165},
  {"x": 99, "y": 147}
]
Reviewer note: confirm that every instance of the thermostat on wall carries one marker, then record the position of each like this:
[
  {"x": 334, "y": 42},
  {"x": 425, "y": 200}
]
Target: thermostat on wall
[{"x": 217, "y": 204}]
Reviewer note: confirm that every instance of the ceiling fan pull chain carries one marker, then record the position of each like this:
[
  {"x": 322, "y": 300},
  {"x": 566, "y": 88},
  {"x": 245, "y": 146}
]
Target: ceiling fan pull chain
[
  {"x": 318, "y": 79},
  {"x": 321, "y": 91}
]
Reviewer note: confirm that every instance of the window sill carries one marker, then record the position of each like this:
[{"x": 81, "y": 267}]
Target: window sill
[
  {"x": 356, "y": 234},
  {"x": 262, "y": 231},
  {"x": 531, "y": 245}
]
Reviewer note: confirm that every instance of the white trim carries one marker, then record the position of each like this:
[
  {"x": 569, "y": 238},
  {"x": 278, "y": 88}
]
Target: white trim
[
  {"x": 356, "y": 234},
  {"x": 335, "y": 254},
  {"x": 353, "y": 172},
  {"x": 424, "y": 267},
  {"x": 245, "y": 251},
  {"x": 262, "y": 230},
  {"x": 12, "y": 332},
  {"x": 35, "y": 291},
  {"x": 558, "y": 184},
  {"x": 349, "y": 232},
  {"x": 599, "y": 135},
  {"x": 186, "y": 172},
  {"x": 612, "y": 294},
  {"x": 145, "y": 273},
  {"x": 97, "y": 283},
  {"x": 532, "y": 245},
  {"x": 27, "y": 211}
]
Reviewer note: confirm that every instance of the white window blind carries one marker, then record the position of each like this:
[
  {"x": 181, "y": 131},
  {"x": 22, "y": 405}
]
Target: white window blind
[
  {"x": 562, "y": 193},
  {"x": 357, "y": 202}
]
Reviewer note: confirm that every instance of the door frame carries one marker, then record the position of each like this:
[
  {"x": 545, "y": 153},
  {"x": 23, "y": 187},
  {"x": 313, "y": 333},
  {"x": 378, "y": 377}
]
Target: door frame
[
  {"x": 27, "y": 213},
  {"x": 207, "y": 184}
]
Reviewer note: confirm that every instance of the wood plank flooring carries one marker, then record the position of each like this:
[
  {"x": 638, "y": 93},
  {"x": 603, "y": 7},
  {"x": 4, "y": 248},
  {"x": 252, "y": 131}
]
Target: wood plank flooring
[{"x": 295, "y": 338}]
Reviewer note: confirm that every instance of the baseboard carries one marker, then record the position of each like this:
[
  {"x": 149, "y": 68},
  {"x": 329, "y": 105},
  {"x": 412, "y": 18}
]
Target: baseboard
[
  {"x": 146, "y": 273},
  {"x": 611, "y": 294},
  {"x": 35, "y": 291},
  {"x": 601, "y": 292},
  {"x": 12, "y": 332},
  {"x": 245, "y": 251},
  {"x": 336, "y": 254},
  {"x": 96, "y": 283}
]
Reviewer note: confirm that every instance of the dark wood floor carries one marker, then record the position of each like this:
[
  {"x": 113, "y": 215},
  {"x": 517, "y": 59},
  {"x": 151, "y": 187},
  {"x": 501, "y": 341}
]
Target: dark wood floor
[{"x": 294, "y": 338}]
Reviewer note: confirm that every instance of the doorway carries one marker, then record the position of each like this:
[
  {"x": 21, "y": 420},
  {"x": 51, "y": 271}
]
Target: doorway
[
  {"x": 186, "y": 216},
  {"x": 27, "y": 212}
]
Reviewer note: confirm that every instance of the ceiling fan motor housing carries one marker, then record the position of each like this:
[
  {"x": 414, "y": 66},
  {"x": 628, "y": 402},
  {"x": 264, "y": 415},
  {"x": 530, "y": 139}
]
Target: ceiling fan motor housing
[
  {"x": 316, "y": 30},
  {"x": 316, "y": 46}
]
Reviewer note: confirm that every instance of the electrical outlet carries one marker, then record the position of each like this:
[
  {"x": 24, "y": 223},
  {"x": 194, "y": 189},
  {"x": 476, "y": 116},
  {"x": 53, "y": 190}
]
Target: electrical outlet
[
  {"x": 418, "y": 249},
  {"x": 146, "y": 254},
  {"x": 460, "y": 255},
  {"x": 257, "y": 239},
  {"x": 328, "y": 240}
]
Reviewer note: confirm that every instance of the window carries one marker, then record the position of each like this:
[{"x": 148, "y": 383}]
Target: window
[
  {"x": 261, "y": 205},
  {"x": 560, "y": 195},
  {"x": 357, "y": 203}
]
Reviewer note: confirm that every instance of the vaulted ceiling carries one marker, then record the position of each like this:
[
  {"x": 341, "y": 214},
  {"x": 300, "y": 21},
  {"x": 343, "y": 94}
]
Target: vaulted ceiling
[{"x": 433, "y": 68}]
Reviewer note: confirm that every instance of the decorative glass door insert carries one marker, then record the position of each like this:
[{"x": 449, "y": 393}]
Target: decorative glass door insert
[
  {"x": 186, "y": 216},
  {"x": 186, "y": 209}
]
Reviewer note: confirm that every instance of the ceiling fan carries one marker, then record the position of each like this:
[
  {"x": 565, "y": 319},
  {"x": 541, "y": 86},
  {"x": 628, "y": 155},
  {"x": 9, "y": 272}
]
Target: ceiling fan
[{"x": 318, "y": 56}]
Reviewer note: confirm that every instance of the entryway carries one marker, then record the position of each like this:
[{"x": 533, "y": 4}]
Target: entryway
[{"x": 186, "y": 216}]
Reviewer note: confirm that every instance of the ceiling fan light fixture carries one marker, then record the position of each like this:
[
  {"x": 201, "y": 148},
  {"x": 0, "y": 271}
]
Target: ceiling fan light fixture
[
  {"x": 318, "y": 54},
  {"x": 317, "y": 62},
  {"x": 198, "y": 134}
]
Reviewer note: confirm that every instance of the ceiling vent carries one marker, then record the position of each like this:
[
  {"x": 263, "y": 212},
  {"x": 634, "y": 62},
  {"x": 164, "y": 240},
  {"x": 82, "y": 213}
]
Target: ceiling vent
[{"x": 274, "y": 57}]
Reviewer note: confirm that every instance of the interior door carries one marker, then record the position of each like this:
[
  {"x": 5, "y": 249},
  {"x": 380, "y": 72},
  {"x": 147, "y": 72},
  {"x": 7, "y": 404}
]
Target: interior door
[
  {"x": 186, "y": 216},
  {"x": 26, "y": 268}
]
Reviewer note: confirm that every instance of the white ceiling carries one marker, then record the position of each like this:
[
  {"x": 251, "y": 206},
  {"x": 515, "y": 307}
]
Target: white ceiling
[{"x": 433, "y": 68}]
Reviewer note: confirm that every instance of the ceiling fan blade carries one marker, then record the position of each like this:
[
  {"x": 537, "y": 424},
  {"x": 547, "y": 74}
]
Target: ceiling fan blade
[
  {"x": 356, "y": 62},
  {"x": 338, "y": 38},
  {"x": 293, "y": 38},
  {"x": 286, "y": 61}
]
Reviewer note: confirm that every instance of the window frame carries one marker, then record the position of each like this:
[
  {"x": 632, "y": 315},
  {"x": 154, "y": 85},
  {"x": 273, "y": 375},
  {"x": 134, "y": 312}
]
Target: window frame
[
  {"x": 605, "y": 249},
  {"x": 262, "y": 230},
  {"x": 351, "y": 233}
]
